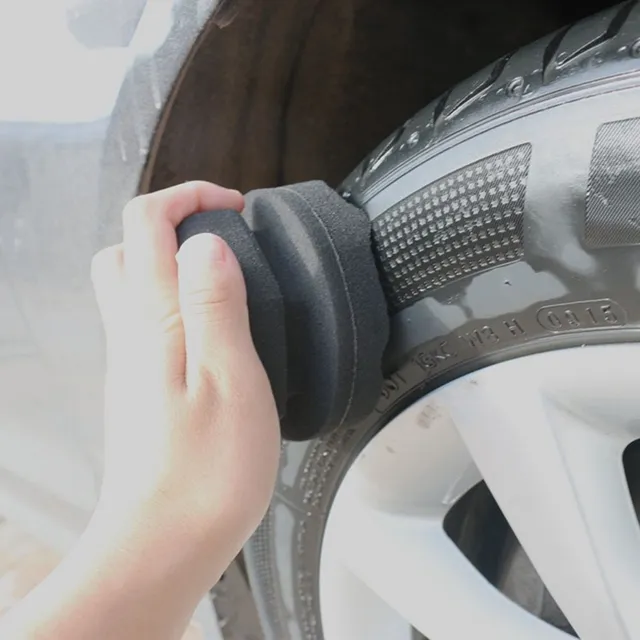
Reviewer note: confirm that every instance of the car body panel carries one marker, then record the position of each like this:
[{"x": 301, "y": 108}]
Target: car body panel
[{"x": 84, "y": 85}]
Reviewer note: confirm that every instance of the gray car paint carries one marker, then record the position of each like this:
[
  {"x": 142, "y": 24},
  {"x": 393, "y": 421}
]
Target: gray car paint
[{"x": 83, "y": 84}]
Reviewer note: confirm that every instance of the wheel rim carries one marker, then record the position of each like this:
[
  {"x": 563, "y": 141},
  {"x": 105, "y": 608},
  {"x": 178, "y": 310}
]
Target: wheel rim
[{"x": 547, "y": 433}]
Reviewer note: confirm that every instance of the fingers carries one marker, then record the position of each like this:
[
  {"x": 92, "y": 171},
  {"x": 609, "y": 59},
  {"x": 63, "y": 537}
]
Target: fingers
[
  {"x": 110, "y": 286},
  {"x": 107, "y": 275},
  {"x": 213, "y": 305},
  {"x": 150, "y": 248},
  {"x": 150, "y": 240}
]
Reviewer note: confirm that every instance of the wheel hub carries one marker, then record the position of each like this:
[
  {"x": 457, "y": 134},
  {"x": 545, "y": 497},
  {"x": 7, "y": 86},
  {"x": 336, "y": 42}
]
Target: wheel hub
[{"x": 547, "y": 434}]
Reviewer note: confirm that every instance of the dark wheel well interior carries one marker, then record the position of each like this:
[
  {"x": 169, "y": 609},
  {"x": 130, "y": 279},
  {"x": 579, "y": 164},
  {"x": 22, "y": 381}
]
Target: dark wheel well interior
[{"x": 302, "y": 89}]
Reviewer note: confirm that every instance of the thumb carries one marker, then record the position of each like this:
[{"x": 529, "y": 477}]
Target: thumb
[{"x": 213, "y": 304}]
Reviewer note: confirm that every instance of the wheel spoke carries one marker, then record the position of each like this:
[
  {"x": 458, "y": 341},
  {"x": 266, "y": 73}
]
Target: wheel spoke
[
  {"x": 421, "y": 466},
  {"x": 411, "y": 564},
  {"x": 352, "y": 610},
  {"x": 553, "y": 461}
]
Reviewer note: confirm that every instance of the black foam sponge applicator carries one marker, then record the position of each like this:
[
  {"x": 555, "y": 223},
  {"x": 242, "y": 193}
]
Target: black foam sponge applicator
[
  {"x": 266, "y": 306},
  {"x": 318, "y": 313}
]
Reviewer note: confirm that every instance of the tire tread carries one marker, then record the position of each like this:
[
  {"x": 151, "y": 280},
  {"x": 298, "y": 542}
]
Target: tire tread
[{"x": 538, "y": 69}]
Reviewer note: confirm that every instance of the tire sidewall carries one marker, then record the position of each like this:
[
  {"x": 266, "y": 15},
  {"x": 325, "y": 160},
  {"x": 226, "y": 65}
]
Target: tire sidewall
[{"x": 538, "y": 303}]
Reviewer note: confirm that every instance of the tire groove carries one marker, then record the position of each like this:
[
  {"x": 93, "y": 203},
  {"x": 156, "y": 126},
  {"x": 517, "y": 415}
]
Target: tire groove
[
  {"x": 474, "y": 95},
  {"x": 439, "y": 110},
  {"x": 616, "y": 24},
  {"x": 551, "y": 50},
  {"x": 620, "y": 18},
  {"x": 372, "y": 163},
  {"x": 542, "y": 73}
]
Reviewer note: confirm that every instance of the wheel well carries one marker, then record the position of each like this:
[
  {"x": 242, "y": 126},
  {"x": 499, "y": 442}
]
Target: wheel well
[{"x": 303, "y": 89}]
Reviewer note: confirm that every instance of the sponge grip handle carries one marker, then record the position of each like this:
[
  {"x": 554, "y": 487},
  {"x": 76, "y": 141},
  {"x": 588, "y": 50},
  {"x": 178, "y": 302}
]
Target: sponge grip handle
[
  {"x": 264, "y": 299},
  {"x": 317, "y": 310}
]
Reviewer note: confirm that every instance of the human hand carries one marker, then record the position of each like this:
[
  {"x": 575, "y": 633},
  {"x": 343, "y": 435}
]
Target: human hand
[
  {"x": 191, "y": 427},
  {"x": 191, "y": 434}
]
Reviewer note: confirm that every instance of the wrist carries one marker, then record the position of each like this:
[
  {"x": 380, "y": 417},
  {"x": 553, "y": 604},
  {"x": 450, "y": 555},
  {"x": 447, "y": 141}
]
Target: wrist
[
  {"x": 148, "y": 551},
  {"x": 120, "y": 581}
]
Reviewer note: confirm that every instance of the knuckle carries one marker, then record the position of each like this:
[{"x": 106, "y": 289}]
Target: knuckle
[
  {"x": 104, "y": 263},
  {"x": 98, "y": 265},
  {"x": 138, "y": 210},
  {"x": 202, "y": 303},
  {"x": 169, "y": 323},
  {"x": 224, "y": 290},
  {"x": 204, "y": 298}
]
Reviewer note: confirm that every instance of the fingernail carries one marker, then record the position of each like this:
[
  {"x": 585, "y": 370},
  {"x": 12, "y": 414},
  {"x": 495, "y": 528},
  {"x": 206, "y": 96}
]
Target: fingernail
[
  {"x": 218, "y": 249},
  {"x": 203, "y": 247}
]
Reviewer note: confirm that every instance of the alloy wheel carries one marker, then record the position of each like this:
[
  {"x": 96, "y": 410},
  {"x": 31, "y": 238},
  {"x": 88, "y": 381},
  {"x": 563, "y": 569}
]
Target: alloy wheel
[{"x": 547, "y": 434}]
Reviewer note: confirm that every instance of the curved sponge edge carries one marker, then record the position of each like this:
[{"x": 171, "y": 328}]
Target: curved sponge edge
[{"x": 319, "y": 249}]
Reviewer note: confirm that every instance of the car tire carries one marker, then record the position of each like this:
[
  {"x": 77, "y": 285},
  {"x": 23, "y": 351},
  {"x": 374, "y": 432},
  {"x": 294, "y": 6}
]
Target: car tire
[{"x": 506, "y": 221}]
